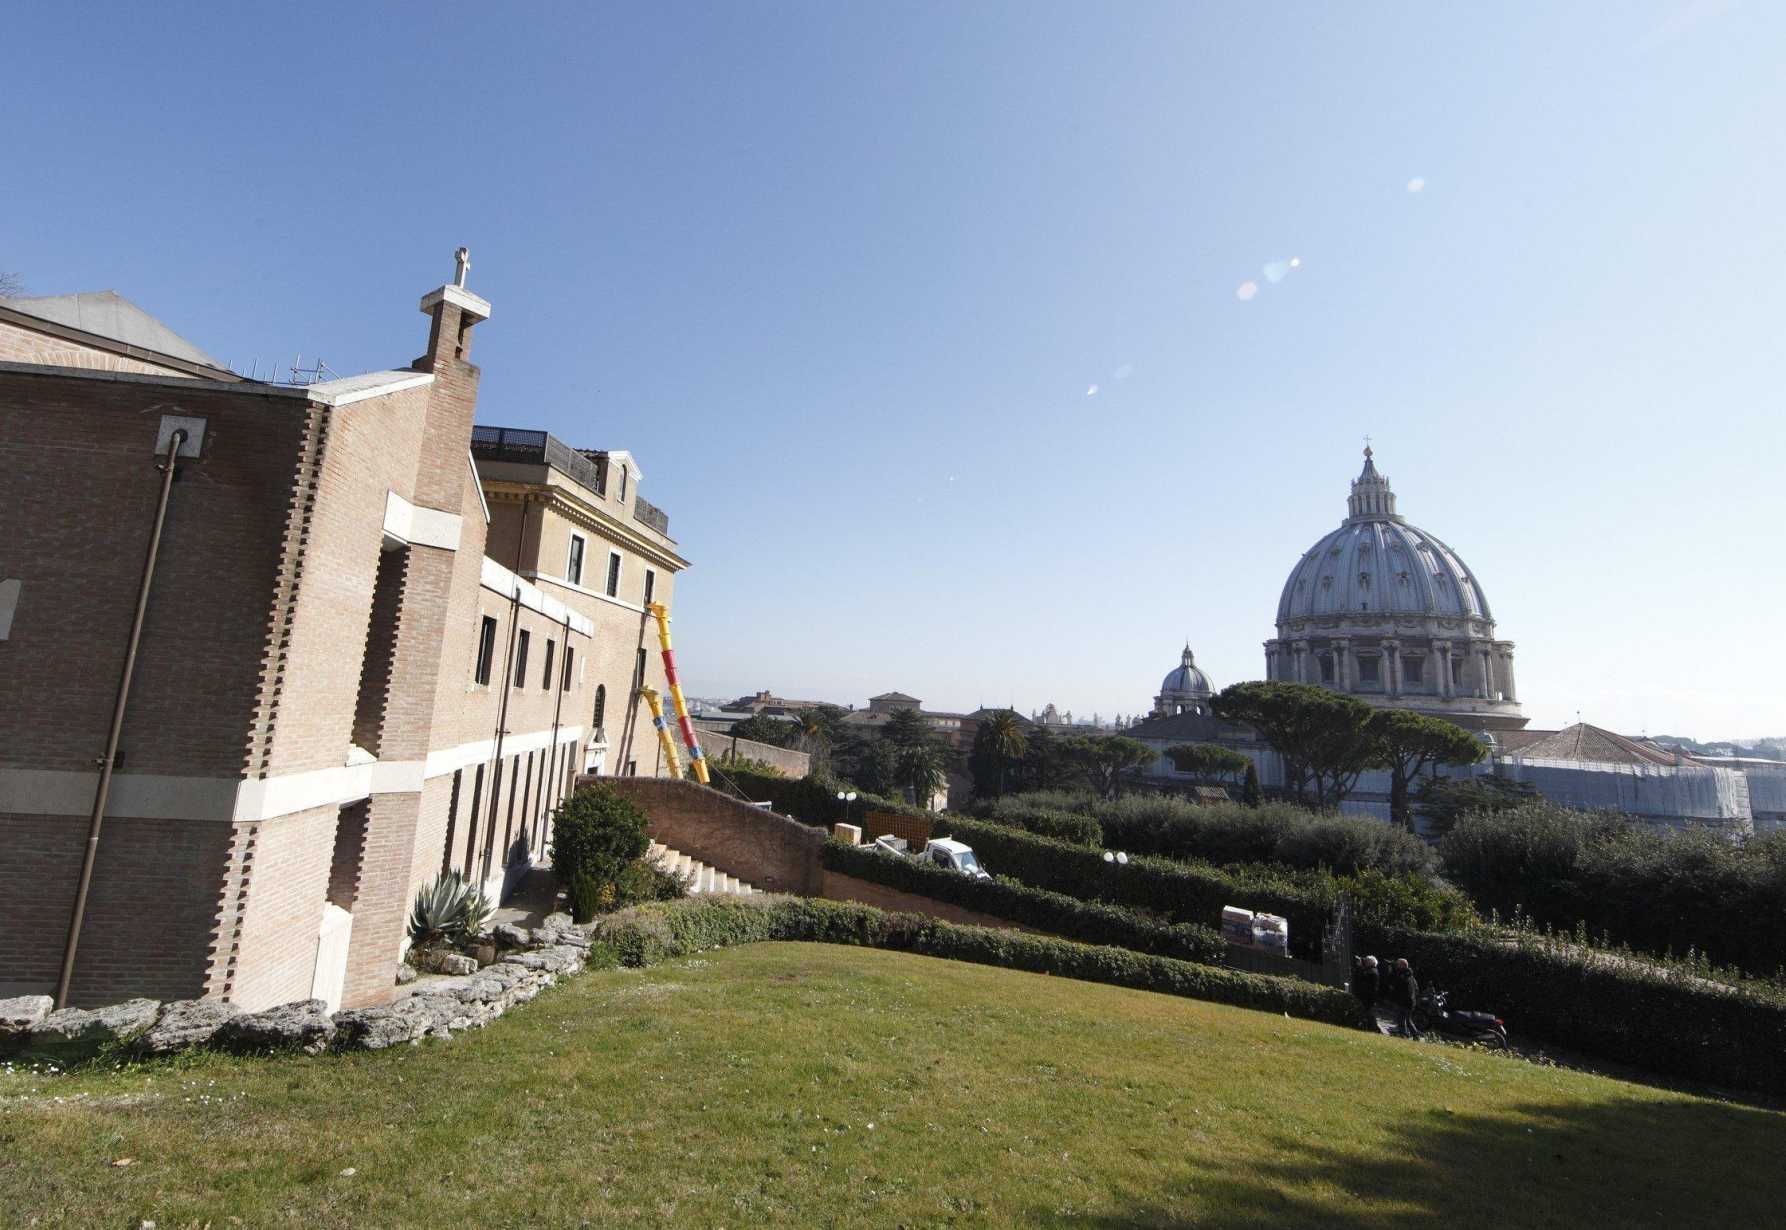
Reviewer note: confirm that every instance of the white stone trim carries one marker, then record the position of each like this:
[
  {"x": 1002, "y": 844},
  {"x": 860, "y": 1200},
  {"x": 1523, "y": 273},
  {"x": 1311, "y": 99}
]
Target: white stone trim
[
  {"x": 420, "y": 526},
  {"x": 464, "y": 300},
  {"x": 634, "y": 607},
  {"x": 153, "y": 796},
  {"x": 500, "y": 580},
  {"x": 477, "y": 483},
  {"x": 349, "y": 389}
]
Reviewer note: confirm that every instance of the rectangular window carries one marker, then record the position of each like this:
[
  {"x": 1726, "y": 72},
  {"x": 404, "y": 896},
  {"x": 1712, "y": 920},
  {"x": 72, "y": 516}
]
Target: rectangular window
[
  {"x": 573, "y": 568},
  {"x": 486, "y": 651},
  {"x": 639, "y": 671},
  {"x": 1367, "y": 669},
  {"x": 521, "y": 639},
  {"x": 613, "y": 574},
  {"x": 471, "y": 819},
  {"x": 446, "y": 853},
  {"x": 623, "y": 484},
  {"x": 546, "y": 675},
  {"x": 1326, "y": 669},
  {"x": 570, "y": 657},
  {"x": 650, "y": 585},
  {"x": 1412, "y": 669}
]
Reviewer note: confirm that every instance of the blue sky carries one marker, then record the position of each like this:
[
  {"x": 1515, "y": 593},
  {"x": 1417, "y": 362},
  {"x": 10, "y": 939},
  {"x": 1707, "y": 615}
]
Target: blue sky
[{"x": 842, "y": 277}]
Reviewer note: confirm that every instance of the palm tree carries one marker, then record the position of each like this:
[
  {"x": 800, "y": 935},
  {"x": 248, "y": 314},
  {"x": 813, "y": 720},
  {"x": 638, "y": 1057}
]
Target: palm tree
[
  {"x": 921, "y": 771},
  {"x": 1006, "y": 740}
]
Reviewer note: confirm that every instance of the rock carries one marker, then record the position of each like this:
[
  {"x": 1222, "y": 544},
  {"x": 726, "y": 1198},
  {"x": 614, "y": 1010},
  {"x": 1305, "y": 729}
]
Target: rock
[
  {"x": 511, "y": 936},
  {"x": 484, "y": 954},
  {"x": 304, "y": 1025},
  {"x": 24, "y": 1012},
  {"x": 76, "y": 1033},
  {"x": 558, "y": 959},
  {"x": 456, "y": 963},
  {"x": 373, "y": 1029},
  {"x": 557, "y": 922},
  {"x": 186, "y": 1023},
  {"x": 405, "y": 974}
]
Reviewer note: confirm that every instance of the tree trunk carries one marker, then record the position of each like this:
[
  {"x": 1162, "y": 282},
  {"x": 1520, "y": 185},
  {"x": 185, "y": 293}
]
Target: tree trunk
[{"x": 1398, "y": 798}]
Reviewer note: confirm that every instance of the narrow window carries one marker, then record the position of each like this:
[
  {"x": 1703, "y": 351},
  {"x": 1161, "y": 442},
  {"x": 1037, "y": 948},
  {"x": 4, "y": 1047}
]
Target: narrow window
[
  {"x": 601, "y": 705},
  {"x": 546, "y": 675},
  {"x": 639, "y": 672},
  {"x": 521, "y": 658},
  {"x": 613, "y": 574},
  {"x": 650, "y": 585},
  {"x": 1413, "y": 669},
  {"x": 573, "y": 568},
  {"x": 446, "y": 853},
  {"x": 1367, "y": 669},
  {"x": 471, "y": 819},
  {"x": 1326, "y": 669},
  {"x": 632, "y": 768},
  {"x": 486, "y": 651},
  {"x": 490, "y": 826},
  {"x": 623, "y": 484},
  {"x": 570, "y": 658}
]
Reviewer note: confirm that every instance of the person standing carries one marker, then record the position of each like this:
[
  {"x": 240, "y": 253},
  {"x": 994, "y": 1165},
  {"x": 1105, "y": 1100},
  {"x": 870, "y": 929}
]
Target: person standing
[
  {"x": 1366, "y": 985},
  {"x": 1404, "y": 993}
]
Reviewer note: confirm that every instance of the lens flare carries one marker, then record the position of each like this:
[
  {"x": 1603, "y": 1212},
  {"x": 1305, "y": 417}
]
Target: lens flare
[
  {"x": 1246, "y": 290},
  {"x": 1417, "y": 184},
  {"x": 1276, "y": 271},
  {"x": 1092, "y": 392}
]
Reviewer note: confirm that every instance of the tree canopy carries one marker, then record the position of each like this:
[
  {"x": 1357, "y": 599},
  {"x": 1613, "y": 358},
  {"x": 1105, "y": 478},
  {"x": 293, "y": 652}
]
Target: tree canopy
[
  {"x": 1409, "y": 743},
  {"x": 1324, "y": 737},
  {"x": 1208, "y": 759},
  {"x": 1105, "y": 758},
  {"x": 999, "y": 746}
]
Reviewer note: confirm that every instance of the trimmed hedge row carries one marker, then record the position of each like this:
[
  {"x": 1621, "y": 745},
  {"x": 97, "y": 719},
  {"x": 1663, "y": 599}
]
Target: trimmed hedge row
[
  {"x": 1090, "y": 922},
  {"x": 811, "y": 800},
  {"x": 1225, "y": 833},
  {"x": 650, "y": 933},
  {"x": 1184, "y": 892},
  {"x": 1603, "y": 1005}
]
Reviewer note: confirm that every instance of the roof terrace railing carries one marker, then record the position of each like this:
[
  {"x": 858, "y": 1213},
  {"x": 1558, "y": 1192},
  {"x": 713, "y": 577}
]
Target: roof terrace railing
[
  {"x": 536, "y": 448},
  {"x": 647, "y": 513}
]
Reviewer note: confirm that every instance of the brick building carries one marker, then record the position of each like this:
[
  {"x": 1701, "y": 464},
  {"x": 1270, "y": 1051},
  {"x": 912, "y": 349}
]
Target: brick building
[{"x": 348, "y": 678}]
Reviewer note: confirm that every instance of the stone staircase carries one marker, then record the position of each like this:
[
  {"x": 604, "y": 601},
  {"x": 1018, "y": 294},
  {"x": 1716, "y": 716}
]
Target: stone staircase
[{"x": 706, "y": 879}]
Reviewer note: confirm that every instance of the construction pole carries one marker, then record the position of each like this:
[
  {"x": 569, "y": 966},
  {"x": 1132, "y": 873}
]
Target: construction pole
[
  {"x": 663, "y": 728},
  {"x": 696, "y": 760}
]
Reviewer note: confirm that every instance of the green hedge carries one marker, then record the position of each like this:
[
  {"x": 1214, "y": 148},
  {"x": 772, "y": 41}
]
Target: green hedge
[
  {"x": 1090, "y": 922},
  {"x": 1076, "y": 827},
  {"x": 1183, "y": 892},
  {"x": 1225, "y": 833},
  {"x": 1654, "y": 889},
  {"x": 1603, "y": 1005},
  {"x": 810, "y": 800},
  {"x": 652, "y": 933}
]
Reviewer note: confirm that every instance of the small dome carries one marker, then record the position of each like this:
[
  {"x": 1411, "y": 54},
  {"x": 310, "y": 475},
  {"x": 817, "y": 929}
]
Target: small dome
[{"x": 1187, "y": 681}]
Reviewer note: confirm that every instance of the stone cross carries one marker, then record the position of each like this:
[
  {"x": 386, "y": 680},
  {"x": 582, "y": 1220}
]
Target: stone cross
[{"x": 462, "y": 258}]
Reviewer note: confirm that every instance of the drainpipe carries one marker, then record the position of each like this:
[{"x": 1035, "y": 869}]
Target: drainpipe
[{"x": 111, "y": 743}]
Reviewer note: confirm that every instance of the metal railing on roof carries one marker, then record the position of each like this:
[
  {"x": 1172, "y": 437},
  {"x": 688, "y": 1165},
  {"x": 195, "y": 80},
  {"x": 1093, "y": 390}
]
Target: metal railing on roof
[
  {"x": 537, "y": 448},
  {"x": 647, "y": 513}
]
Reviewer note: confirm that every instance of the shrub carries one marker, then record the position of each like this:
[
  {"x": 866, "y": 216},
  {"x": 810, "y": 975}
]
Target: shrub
[
  {"x": 1227, "y": 833},
  {"x": 1076, "y": 827},
  {"x": 645, "y": 880},
  {"x": 747, "y": 764},
  {"x": 1185, "y": 891},
  {"x": 652, "y": 933},
  {"x": 448, "y": 909},
  {"x": 588, "y": 896},
  {"x": 1604, "y": 1004},
  {"x": 813, "y": 799},
  {"x": 1655, "y": 889},
  {"x": 596, "y": 833},
  {"x": 1091, "y": 922}
]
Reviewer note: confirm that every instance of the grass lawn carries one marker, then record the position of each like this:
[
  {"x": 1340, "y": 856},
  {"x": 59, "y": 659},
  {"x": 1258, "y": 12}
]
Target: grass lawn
[{"x": 801, "y": 1084}]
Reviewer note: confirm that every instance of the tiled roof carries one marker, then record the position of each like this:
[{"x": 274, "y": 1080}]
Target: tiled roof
[{"x": 1593, "y": 745}]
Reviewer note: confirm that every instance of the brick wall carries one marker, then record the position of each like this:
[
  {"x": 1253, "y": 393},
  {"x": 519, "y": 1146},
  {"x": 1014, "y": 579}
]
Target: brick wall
[
  {"x": 150, "y": 910},
  {"x": 771, "y": 852},
  {"x": 790, "y": 762},
  {"x": 287, "y": 887}
]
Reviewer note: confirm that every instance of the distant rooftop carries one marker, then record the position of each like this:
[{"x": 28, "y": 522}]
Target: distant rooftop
[{"x": 108, "y": 314}]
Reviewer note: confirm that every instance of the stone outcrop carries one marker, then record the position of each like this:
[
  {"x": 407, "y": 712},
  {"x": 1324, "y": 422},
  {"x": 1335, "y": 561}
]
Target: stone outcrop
[
  {"x": 305, "y": 1025},
  {"x": 469, "y": 998},
  {"x": 186, "y": 1023},
  {"x": 78, "y": 1033}
]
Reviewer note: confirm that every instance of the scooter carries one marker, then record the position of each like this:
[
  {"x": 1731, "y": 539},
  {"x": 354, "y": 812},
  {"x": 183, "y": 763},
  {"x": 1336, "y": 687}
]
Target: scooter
[{"x": 1435, "y": 1015}]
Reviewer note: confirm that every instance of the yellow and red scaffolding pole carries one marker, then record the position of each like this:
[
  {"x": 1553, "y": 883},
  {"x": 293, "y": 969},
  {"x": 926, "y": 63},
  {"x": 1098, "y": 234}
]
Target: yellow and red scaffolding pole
[
  {"x": 696, "y": 760},
  {"x": 663, "y": 728}
]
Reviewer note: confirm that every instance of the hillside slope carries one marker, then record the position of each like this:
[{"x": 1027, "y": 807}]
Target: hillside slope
[{"x": 801, "y": 1084}]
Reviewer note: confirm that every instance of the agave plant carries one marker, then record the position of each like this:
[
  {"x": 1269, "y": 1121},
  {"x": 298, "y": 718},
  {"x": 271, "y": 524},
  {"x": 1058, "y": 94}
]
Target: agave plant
[{"x": 450, "y": 908}]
